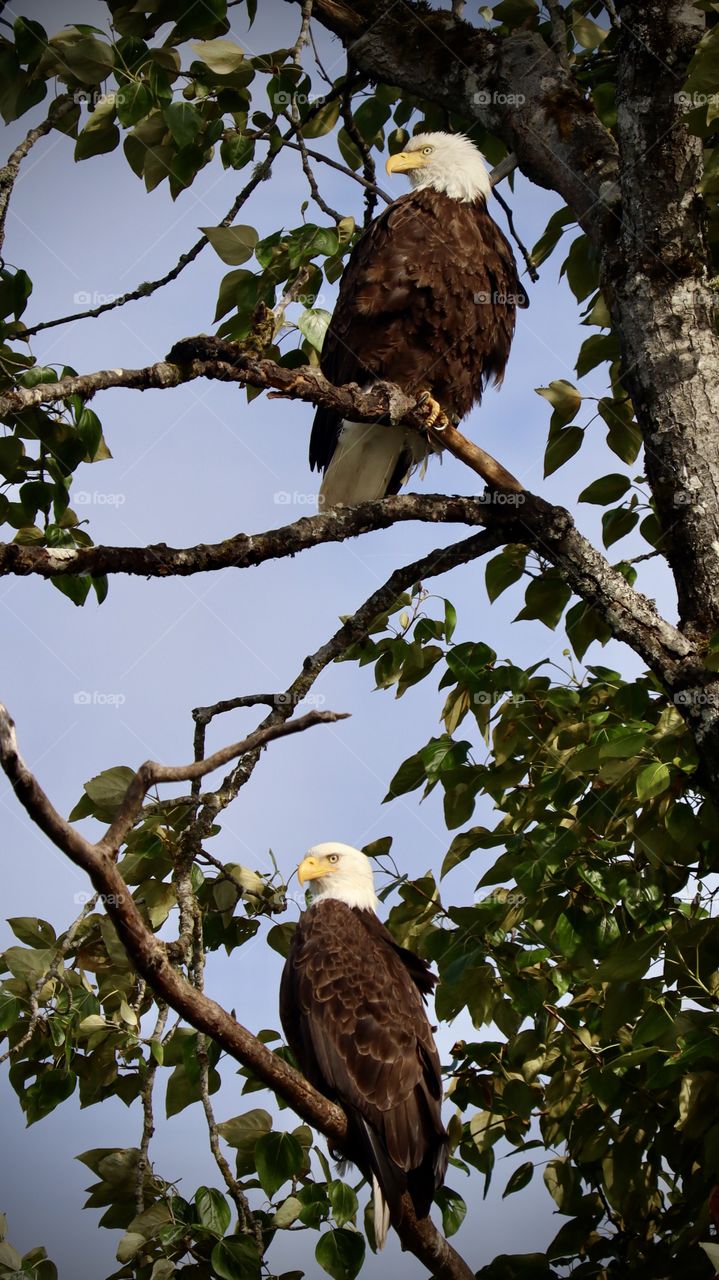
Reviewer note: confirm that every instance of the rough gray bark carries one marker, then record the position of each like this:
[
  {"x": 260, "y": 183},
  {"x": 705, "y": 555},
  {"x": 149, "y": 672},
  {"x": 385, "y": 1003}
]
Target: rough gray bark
[{"x": 657, "y": 280}]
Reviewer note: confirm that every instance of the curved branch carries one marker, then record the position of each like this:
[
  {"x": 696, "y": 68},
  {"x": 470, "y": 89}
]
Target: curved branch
[
  {"x": 523, "y": 518},
  {"x": 149, "y": 957}
]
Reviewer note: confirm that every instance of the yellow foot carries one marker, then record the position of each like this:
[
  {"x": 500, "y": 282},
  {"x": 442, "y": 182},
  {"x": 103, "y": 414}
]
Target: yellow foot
[{"x": 432, "y": 410}]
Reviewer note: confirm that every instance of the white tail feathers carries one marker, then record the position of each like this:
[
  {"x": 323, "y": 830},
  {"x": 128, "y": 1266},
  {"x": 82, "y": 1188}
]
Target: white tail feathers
[
  {"x": 365, "y": 460},
  {"x": 381, "y": 1214}
]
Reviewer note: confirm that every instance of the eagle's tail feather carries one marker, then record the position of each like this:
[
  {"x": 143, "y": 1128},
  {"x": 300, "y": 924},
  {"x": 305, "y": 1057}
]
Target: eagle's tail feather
[
  {"x": 365, "y": 462},
  {"x": 381, "y": 1214}
]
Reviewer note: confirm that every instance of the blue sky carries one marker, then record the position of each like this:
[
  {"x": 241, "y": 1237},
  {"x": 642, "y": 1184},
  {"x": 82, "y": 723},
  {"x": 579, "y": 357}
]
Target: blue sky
[{"x": 198, "y": 464}]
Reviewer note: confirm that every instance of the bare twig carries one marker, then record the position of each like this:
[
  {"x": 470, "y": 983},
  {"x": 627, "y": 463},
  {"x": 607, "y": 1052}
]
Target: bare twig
[
  {"x": 148, "y": 1120},
  {"x": 150, "y": 773},
  {"x": 531, "y": 269},
  {"x": 368, "y": 164}
]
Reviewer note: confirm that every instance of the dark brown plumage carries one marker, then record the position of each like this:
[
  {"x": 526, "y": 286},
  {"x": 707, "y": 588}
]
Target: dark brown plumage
[
  {"x": 427, "y": 300},
  {"x": 351, "y": 1005}
]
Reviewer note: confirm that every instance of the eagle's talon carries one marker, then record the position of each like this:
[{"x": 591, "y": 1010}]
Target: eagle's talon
[{"x": 432, "y": 411}]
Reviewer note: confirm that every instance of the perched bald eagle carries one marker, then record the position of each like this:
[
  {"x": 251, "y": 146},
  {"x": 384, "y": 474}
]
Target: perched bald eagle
[
  {"x": 352, "y": 1009},
  {"x": 428, "y": 301}
]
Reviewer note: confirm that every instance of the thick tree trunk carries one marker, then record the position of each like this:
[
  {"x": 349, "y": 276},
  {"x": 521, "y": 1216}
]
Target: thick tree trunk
[{"x": 657, "y": 272}]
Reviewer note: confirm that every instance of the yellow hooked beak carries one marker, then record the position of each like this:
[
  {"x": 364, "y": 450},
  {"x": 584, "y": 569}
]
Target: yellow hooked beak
[
  {"x": 312, "y": 868},
  {"x": 403, "y": 161}
]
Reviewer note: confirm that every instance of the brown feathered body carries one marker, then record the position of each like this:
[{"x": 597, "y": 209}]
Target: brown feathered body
[
  {"x": 351, "y": 1005},
  {"x": 428, "y": 300}
]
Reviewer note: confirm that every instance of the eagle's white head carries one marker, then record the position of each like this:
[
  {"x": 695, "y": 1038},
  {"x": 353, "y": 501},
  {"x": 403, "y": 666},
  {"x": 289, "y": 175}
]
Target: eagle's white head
[
  {"x": 339, "y": 871},
  {"x": 447, "y": 162}
]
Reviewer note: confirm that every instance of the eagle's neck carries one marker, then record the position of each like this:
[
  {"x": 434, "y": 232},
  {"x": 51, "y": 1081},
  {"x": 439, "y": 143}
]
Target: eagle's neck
[
  {"x": 352, "y": 893},
  {"x": 466, "y": 183}
]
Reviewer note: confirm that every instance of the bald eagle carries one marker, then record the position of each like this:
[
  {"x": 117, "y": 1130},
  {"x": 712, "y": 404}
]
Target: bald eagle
[
  {"x": 427, "y": 301},
  {"x": 352, "y": 1009}
]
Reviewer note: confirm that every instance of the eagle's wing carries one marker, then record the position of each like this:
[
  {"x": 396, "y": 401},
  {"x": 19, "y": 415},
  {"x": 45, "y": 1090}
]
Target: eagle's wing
[
  {"x": 354, "y": 1016},
  {"x": 370, "y": 321}
]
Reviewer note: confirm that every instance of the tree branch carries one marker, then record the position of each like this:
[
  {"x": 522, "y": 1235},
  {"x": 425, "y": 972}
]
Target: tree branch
[
  {"x": 515, "y": 87},
  {"x": 149, "y": 957},
  {"x": 150, "y": 773}
]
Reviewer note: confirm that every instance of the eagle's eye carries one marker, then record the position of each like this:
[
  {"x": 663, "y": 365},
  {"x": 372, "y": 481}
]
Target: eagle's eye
[
  {"x": 427, "y": 151},
  {"x": 333, "y": 857}
]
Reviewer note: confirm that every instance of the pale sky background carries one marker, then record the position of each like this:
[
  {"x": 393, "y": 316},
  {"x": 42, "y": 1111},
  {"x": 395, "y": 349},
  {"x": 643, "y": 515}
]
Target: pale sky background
[{"x": 197, "y": 464}]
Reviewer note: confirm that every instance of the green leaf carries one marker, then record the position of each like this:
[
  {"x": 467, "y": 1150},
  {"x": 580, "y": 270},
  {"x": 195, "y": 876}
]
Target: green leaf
[
  {"x": 242, "y": 1132},
  {"x": 212, "y": 1210},
  {"x": 454, "y": 1210},
  {"x": 519, "y": 1179},
  {"x": 341, "y": 1253},
  {"x": 50, "y": 1088},
  {"x": 546, "y": 598},
  {"x": 343, "y": 1200},
  {"x": 564, "y": 398},
  {"x": 278, "y": 1156},
  {"x": 222, "y": 56},
  {"x": 75, "y": 586},
  {"x": 233, "y": 244},
  {"x": 236, "y": 1258},
  {"x": 410, "y": 775},
  {"x": 9, "y": 1010},
  {"x": 90, "y": 60},
  {"x": 107, "y": 790},
  {"x": 617, "y": 523},
  {"x": 184, "y": 122},
  {"x": 653, "y": 781},
  {"x": 313, "y": 323},
  {"x": 562, "y": 447},
  {"x": 606, "y": 489},
  {"x": 504, "y": 570},
  {"x": 129, "y": 1245},
  {"x": 323, "y": 121}
]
